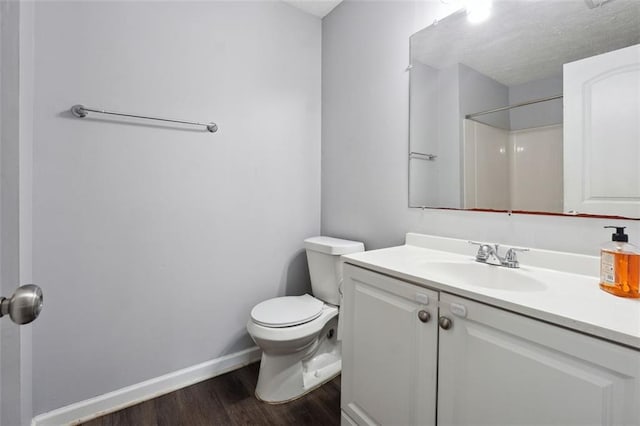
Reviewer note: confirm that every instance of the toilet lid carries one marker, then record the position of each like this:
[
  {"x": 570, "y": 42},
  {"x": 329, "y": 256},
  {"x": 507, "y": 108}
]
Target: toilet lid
[{"x": 287, "y": 311}]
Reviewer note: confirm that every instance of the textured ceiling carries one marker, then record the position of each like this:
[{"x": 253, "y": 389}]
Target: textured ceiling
[
  {"x": 527, "y": 40},
  {"x": 315, "y": 7}
]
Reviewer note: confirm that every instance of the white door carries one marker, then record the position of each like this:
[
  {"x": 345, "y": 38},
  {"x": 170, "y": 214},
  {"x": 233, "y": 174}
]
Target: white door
[
  {"x": 389, "y": 350},
  {"x": 499, "y": 368},
  {"x": 601, "y": 134},
  {"x": 15, "y": 220}
]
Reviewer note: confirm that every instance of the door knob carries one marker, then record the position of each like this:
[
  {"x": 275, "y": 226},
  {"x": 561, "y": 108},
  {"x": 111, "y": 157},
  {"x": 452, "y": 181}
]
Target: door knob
[
  {"x": 445, "y": 323},
  {"x": 424, "y": 316},
  {"x": 24, "y": 306}
]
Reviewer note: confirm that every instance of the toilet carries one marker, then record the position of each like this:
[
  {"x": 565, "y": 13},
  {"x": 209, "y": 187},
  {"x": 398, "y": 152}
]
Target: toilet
[{"x": 298, "y": 334}]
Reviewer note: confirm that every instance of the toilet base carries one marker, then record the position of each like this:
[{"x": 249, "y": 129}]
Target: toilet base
[
  {"x": 312, "y": 385},
  {"x": 283, "y": 378}
]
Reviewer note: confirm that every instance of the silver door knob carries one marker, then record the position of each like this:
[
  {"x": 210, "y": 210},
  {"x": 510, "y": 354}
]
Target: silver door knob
[
  {"x": 424, "y": 316},
  {"x": 24, "y": 306},
  {"x": 445, "y": 323}
]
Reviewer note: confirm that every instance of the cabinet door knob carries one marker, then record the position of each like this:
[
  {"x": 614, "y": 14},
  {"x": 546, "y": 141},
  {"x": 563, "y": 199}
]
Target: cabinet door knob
[
  {"x": 424, "y": 316},
  {"x": 445, "y": 323}
]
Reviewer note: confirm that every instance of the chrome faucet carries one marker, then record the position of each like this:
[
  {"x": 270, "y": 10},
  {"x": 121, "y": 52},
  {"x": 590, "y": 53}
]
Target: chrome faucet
[{"x": 490, "y": 254}]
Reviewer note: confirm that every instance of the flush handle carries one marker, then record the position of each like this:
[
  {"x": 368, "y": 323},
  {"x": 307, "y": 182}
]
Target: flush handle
[
  {"x": 424, "y": 316},
  {"x": 445, "y": 323}
]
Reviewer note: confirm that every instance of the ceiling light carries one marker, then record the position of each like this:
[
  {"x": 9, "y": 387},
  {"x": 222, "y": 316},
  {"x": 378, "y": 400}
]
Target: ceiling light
[{"x": 478, "y": 10}]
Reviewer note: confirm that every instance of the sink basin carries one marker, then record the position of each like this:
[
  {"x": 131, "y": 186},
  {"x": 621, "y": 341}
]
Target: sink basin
[{"x": 475, "y": 274}]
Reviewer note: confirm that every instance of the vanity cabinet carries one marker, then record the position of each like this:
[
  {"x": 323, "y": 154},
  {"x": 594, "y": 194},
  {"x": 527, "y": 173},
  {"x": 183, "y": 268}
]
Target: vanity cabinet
[
  {"x": 486, "y": 366},
  {"x": 389, "y": 350},
  {"x": 501, "y": 368}
]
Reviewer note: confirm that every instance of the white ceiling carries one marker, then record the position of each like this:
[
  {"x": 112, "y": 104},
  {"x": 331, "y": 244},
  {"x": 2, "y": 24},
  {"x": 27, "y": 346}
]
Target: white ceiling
[
  {"x": 528, "y": 40},
  {"x": 319, "y": 8}
]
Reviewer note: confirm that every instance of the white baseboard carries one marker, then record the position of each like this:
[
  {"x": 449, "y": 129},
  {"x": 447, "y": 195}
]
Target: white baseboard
[{"x": 113, "y": 401}]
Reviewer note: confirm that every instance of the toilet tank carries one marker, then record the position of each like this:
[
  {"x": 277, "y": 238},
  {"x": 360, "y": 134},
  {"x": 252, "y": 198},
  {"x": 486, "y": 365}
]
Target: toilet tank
[{"x": 325, "y": 268}]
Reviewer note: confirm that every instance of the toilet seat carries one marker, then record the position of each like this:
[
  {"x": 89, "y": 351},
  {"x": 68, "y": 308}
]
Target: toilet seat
[{"x": 287, "y": 311}]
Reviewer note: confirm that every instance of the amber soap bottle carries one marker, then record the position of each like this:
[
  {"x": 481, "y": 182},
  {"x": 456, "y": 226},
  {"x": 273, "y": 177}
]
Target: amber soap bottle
[{"x": 620, "y": 265}]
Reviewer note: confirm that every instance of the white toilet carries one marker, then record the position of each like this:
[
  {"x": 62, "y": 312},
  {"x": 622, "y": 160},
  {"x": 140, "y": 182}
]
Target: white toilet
[{"x": 298, "y": 334}]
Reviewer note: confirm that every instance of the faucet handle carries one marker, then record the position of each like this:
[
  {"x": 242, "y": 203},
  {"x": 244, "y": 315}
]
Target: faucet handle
[
  {"x": 511, "y": 258},
  {"x": 514, "y": 250},
  {"x": 484, "y": 250},
  {"x": 476, "y": 243}
]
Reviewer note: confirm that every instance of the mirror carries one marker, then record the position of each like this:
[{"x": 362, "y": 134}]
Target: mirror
[{"x": 526, "y": 112}]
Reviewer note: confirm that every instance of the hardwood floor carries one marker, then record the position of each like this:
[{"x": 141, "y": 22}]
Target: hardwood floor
[{"x": 229, "y": 400}]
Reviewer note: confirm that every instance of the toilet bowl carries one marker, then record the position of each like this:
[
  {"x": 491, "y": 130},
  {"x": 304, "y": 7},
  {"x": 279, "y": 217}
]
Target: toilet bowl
[
  {"x": 298, "y": 334},
  {"x": 298, "y": 358}
]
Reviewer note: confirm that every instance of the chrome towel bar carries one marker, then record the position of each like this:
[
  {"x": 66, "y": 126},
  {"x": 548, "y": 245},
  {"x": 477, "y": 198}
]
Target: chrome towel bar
[
  {"x": 81, "y": 111},
  {"x": 421, "y": 156}
]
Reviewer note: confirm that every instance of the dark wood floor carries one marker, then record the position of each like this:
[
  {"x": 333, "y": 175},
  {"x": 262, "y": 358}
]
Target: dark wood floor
[{"x": 229, "y": 400}]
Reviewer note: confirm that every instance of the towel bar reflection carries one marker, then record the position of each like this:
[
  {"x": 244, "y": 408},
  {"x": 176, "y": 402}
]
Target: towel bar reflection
[
  {"x": 421, "y": 156},
  {"x": 81, "y": 111}
]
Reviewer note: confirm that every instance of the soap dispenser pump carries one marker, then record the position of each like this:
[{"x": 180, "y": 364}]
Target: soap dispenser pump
[{"x": 620, "y": 265}]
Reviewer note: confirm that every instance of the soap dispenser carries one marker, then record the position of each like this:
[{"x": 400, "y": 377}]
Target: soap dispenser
[{"x": 620, "y": 265}]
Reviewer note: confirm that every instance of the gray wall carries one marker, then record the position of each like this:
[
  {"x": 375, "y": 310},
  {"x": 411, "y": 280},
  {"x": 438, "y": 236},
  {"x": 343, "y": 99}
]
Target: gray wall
[
  {"x": 449, "y": 136},
  {"x": 364, "y": 142},
  {"x": 153, "y": 243},
  {"x": 423, "y": 134},
  {"x": 424, "y": 109},
  {"x": 481, "y": 93},
  {"x": 540, "y": 114}
]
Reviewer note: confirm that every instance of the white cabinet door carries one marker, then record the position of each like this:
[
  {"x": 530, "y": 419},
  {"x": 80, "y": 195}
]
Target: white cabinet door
[
  {"x": 388, "y": 353},
  {"x": 601, "y": 134},
  {"x": 499, "y": 368}
]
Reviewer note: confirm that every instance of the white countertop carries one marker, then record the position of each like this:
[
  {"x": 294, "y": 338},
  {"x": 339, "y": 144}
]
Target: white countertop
[{"x": 570, "y": 297}]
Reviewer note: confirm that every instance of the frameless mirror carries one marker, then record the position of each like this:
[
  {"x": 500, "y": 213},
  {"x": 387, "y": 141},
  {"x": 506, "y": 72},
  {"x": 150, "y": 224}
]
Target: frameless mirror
[{"x": 536, "y": 109}]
